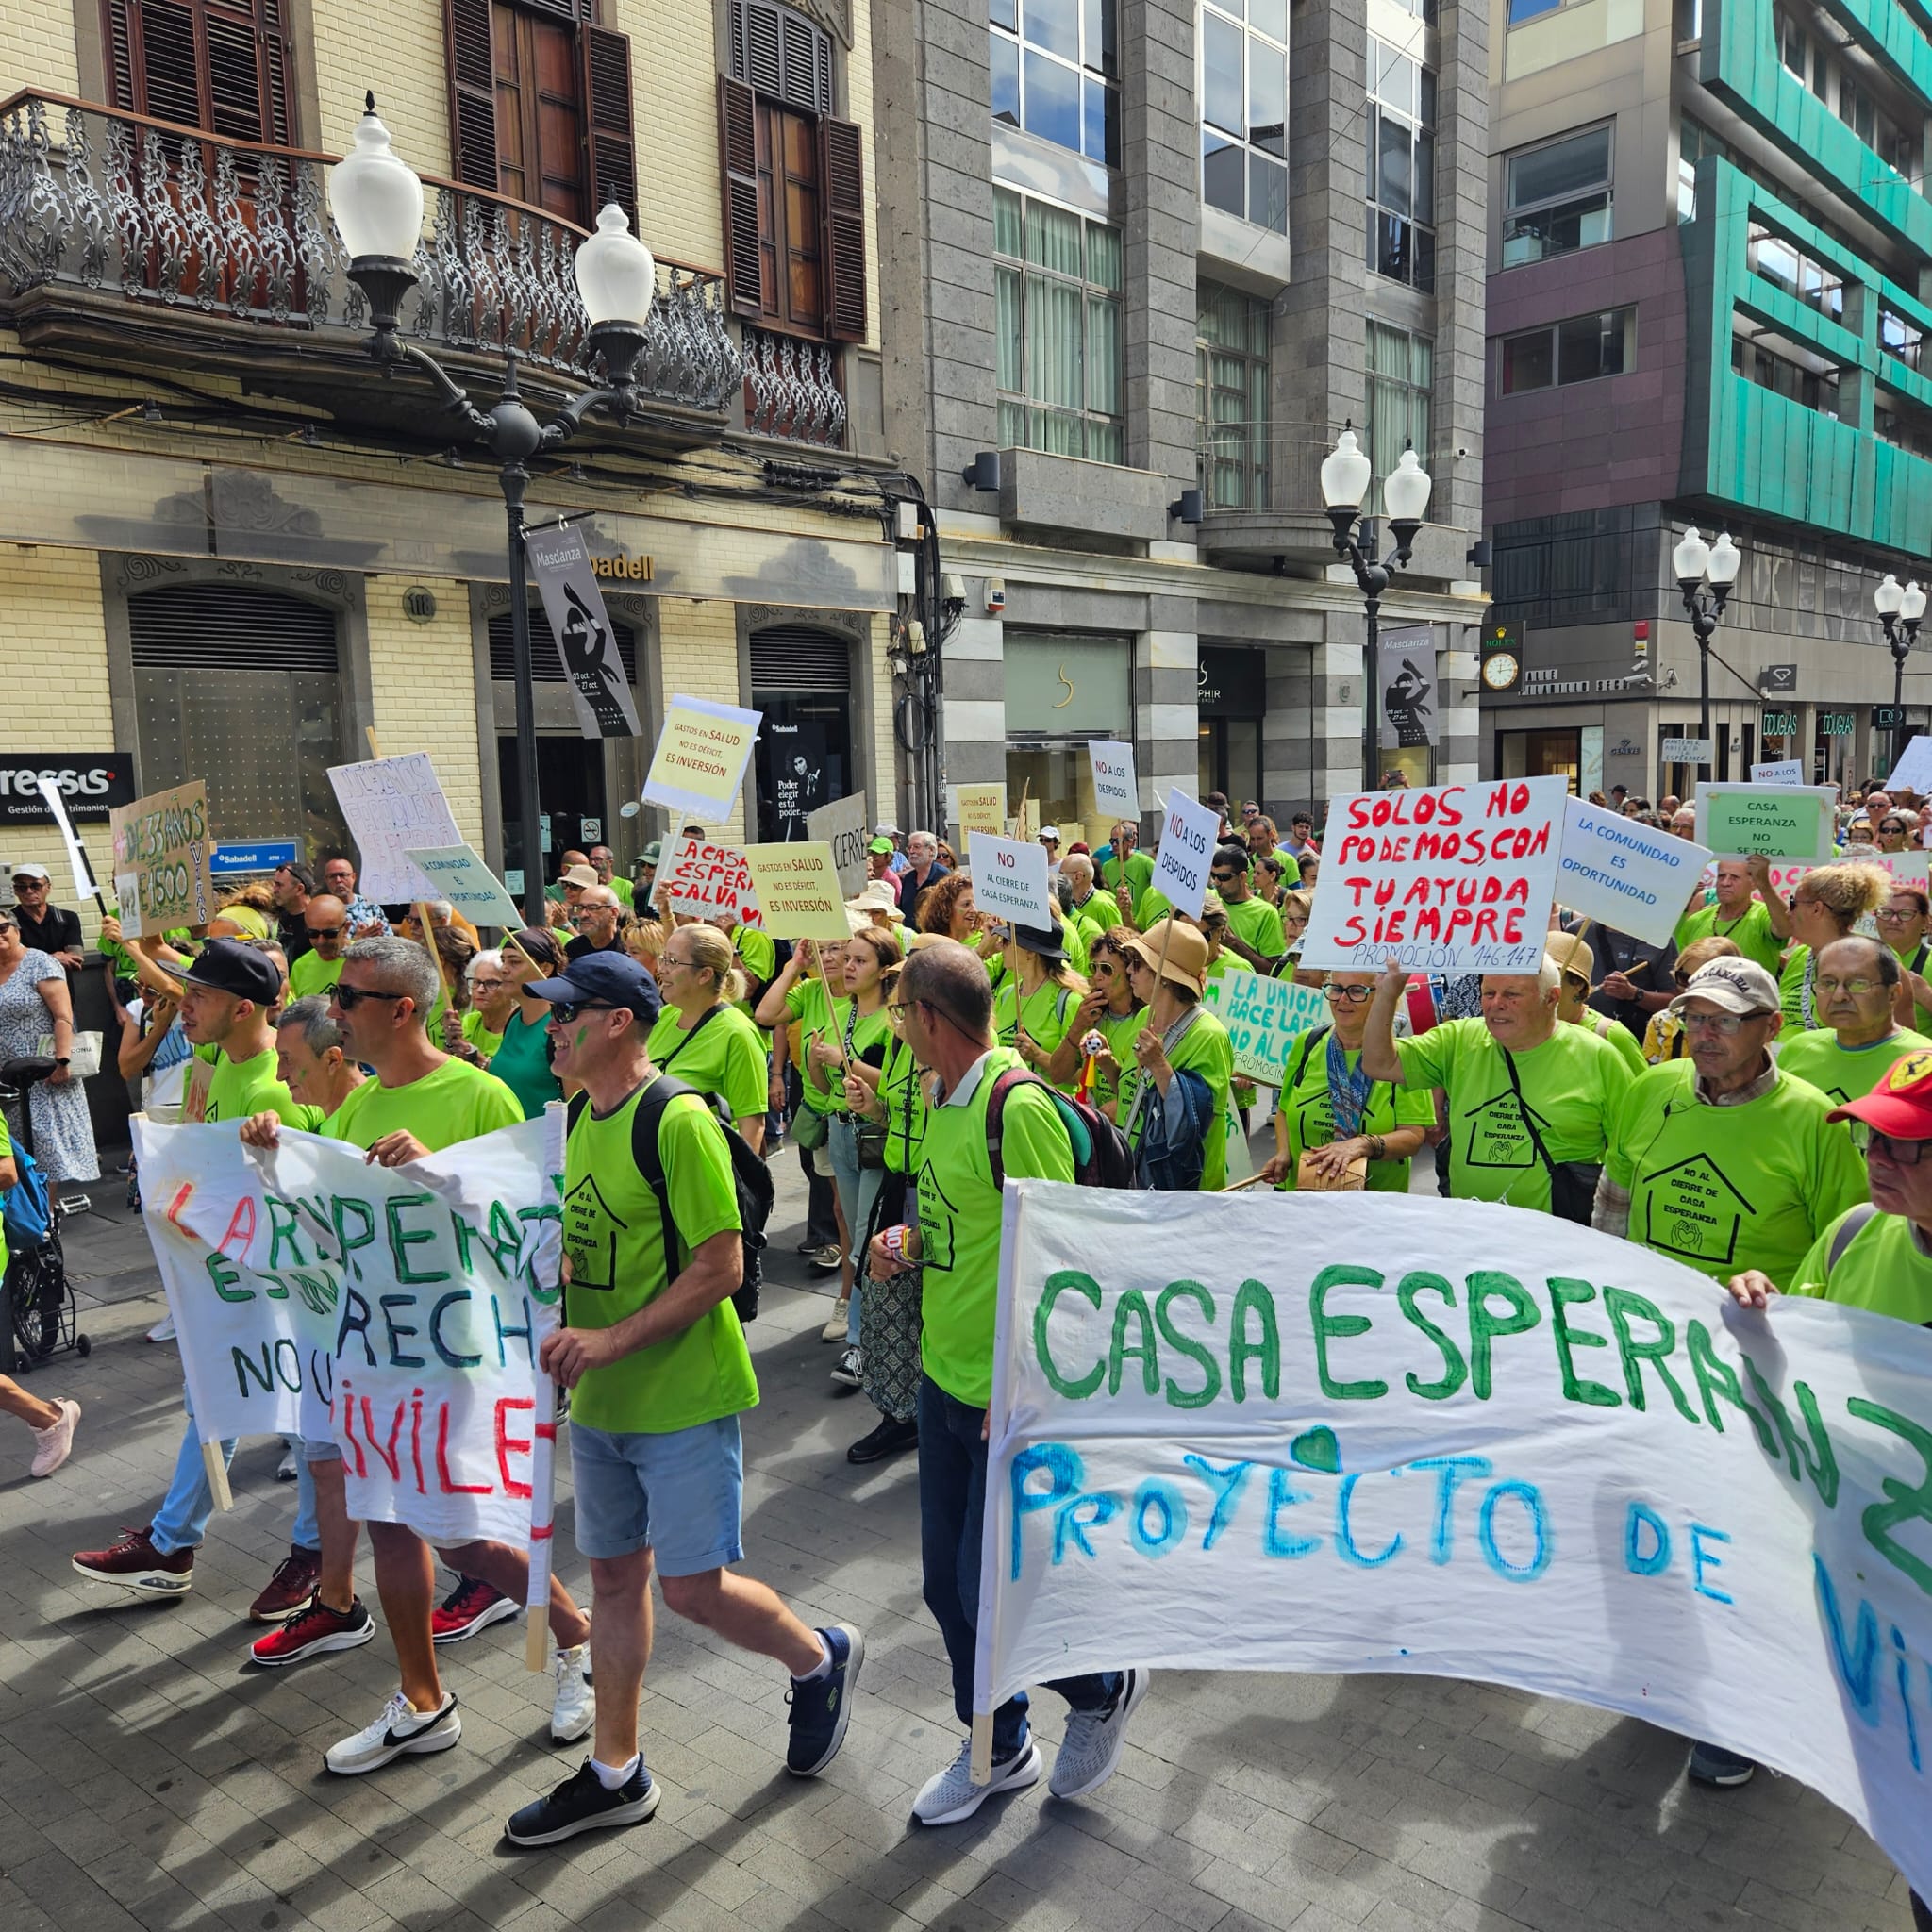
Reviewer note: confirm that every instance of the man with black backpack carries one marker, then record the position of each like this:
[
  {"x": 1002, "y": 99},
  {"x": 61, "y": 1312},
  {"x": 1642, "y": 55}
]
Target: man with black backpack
[
  {"x": 992, "y": 1118},
  {"x": 656, "y": 1361}
]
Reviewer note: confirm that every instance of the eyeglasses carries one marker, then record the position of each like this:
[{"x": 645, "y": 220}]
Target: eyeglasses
[
  {"x": 1856, "y": 987},
  {"x": 564, "y": 1011},
  {"x": 1891, "y": 825},
  {"x": 487, "y": 985},
  {"x": 323, "y": 932},
  {"x": 1725, "y": 1024},
  {"x": 1355, "y": 995},
  {"x": 350, "y": 997},
  {"x": 1900, "y": 1153},
  {"x": 29, "y": 885}
]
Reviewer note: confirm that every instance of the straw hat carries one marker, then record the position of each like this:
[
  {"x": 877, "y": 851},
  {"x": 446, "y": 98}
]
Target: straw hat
[{"x": 1186, "y": 947}]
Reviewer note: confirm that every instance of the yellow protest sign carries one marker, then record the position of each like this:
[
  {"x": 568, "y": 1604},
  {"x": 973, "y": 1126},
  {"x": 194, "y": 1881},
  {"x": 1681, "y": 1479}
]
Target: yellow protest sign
[
  {"x": 700, "y": 756},
  {"x": 982, "y": 808},
  {"x": 797, "y": 886},
  {"x": 161, "y": 846}
]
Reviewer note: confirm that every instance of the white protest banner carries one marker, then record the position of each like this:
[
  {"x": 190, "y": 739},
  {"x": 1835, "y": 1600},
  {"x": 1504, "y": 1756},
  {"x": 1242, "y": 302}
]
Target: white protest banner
[
  {"x": 1009, "y": 879},
  {"x": 844, "y": 826},
  {"x": 560, "y": 563},
  {"x": 1468, "y": 1442},
  {"x": 390, "y": 805},
  {"x": 460, "y": 876},
  {"x": 1785, "y": 772},
  {"x": 1779, "y": 821},
  {"x": 1445, "y": 878},
  {"x": 1625, "y": 875},
  {"x": 798, "y": 893},
  {"x": 1686, "y": 751},
  {"x": 1913, "y": 771},
  {"x": 85, "y": 885},
  {"x": 1115, "y": 790},
  {"x": 1906, "y": 868},
  {"x": 709, "y": 881},
  {"x": 399, "y": 1308},
  {"x": 1264, "y": 1018},
  {"x": 700, "y": 756},
  {"x": 1189, "y": 832}
]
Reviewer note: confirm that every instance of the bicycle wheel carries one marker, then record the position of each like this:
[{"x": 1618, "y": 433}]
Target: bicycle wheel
[{"x": 40, "y": 1301}]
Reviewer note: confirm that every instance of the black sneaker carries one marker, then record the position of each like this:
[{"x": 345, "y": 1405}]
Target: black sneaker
[
  {"x": 580, "y": 1803},
  {"x": 1711, "y": 1764},
  {"x": 889, "y": 1438},
  {"x": 822, "y": 1706}
]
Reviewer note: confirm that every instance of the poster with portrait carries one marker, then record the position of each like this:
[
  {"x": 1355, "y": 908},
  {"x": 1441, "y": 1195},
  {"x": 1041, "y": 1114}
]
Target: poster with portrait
[{"x": 1411, "y": 713}]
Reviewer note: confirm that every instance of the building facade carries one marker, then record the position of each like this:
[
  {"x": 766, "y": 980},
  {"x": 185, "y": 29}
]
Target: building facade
[
  {"x": 1710, "y": 257},
  {"x": 1136, "y": 249},
  {"x": 237, "y": 550}
]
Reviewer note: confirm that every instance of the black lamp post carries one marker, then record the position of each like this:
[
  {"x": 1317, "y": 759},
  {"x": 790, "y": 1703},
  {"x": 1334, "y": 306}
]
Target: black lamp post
[
  {"x": 1345, "y": 474},
  {"x": 1696, "y": 563},
  {"x": 1899, "y": 611},
  {"x": 376, "y": 200}
]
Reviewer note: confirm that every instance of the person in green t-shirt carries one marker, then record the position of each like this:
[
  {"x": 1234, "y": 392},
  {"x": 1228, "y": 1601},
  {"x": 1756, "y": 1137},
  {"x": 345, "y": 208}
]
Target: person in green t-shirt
[
  {"x": 1578, "y": 964},
  {"x": 945, "y": 1004},
  {"x": 1530, "y": 1101},
  {"x": 493, "y": 1000},
  {"x": 1177, "y": 1146},
  {"x": 1087, "y": 905},
  {"x": 1825, "y": 905},
  {"x": 1854, "y": 992},
  {"x": 1110, "y": 1010},
  {"x": 326, "y": 922},
  {"x": 603, "y": 861},
  {"x": 522, "y": 1059},
  {"x": 1034, "y": 1003},
  {"x": 1725, "y": 1158},
  {"x": 51, "y": 1422},
  {"x": 1253, "y": 926},
  {"x": 758, "y": 957},
  {"x": 1126, "y": 872},
  {"x": 653, "y": 1353},
  {"x": 702, "y": 1037},
  {"x": 791, "y": 1009},
  {"x": 227, "y": 996},
  {"x": 1758, "y": 927},
  {"x": 310, "y": 1063},
  {"x": 1330, "y": 1109},
  {"x": 1901, "y": 921}
]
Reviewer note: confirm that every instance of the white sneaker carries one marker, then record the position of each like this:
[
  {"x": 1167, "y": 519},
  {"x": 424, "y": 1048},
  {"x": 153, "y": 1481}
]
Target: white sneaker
[
  {"x": 952, "y": 1796},
  {"x": 1095, "y": 1741},
  {"x": 163, "y": 1330},
  {"x": 401, "y": 1730},
  {"x": 55, "y": 1443},
  {"x": 840, "y": 1319},
  {"x": 287, "y": 1469},
  {"x": 574, "y": 1710}
]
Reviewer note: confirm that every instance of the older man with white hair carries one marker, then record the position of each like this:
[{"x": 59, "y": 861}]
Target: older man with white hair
[{"x": 923, "y": 869}]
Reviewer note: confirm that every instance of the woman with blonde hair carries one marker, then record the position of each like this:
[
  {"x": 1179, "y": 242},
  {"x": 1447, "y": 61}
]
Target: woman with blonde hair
[
  {"x": 644, "y": 939},
  {"x": 701, "y": 1037},
  {"x": 1825, "y": 905},
  {"x": 1665, "y": 1038}
]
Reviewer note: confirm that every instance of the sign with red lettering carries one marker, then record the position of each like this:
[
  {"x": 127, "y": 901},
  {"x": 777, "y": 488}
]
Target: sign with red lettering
[
  {"x": 1009, "y": 878},
  {"x": 1445, "y": 878},
  {"x": 709, "y": 881}
]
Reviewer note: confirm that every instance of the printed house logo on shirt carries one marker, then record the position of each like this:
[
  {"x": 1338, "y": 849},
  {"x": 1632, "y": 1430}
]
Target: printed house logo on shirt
[
  {"x": 591, "y": 1232},
  {"x": 1691, "y": 1210},
  {"x": 1497, "y": 1136},
  {"x": 937, "y": 1218}
]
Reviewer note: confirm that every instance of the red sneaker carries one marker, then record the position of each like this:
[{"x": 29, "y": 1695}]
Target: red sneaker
[
  {"x": 471, "y": 1607},
  {"x": 289, "y": 1589},
  {"x": 135, "y": 1564},
  {"x": 313, "y": 1629}
]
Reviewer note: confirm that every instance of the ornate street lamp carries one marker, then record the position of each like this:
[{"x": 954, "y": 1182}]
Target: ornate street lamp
[
  {"x": 376, "y": 199},
  {"x": 1899, "y": 611},
  {"x": 1696, "y": 563},
  {"x": 1345, "y": 475}
]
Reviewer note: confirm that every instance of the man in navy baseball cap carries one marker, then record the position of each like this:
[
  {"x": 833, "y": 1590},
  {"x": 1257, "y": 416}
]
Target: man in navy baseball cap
[{"x": 602, "y": 982}]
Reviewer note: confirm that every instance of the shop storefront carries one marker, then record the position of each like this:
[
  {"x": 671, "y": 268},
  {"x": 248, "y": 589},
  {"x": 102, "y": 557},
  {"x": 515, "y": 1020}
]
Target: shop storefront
[
  {"x": 1575, "y": 752},
  {"x": 1234, "y": 707},
  {"x": 1063, "y": 689}
]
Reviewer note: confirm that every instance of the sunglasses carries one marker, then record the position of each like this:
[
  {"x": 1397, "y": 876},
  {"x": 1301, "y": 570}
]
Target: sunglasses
[
  {"x": 1223, "y": 879},
  {"x": 564, "y": 1011},
  {"x": 1900, "y": 1153},
  {"x": 323, "y": 932},
  {"x": 350, "y": 997}
]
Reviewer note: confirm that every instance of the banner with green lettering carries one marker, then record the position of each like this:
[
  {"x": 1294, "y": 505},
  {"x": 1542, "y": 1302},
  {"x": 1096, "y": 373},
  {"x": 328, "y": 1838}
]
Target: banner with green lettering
[{"x": 1288, "y": 1433}]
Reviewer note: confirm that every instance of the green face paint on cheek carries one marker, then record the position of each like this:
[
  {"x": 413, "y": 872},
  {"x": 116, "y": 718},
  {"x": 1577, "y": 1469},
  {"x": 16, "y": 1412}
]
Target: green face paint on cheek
[{"x": 579, "y": 1040}]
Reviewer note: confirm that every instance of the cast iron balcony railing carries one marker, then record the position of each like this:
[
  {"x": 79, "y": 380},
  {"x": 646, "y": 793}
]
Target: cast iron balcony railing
[
  {"x": 169, "y": 217},
  {"x": 791, "y": 389}
]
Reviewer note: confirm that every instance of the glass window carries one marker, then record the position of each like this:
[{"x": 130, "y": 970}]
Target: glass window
[
  {"x": 1558, "y": 197},
  {"x": 1059, "y": 346},
  {"x": 1402, "y": 167},
  {"x": 1589, "y": 346},
  {"x": 1400, "y": 389},
  {"x": 1231, "y": 398},
  {"x": 1529, "y": 361},
  {"x": 1521, "y": 10},
  {"x": 1815, "y": 283},
  {"x": 1903, "y": 338},
  {"x": 1243, "y": 83},
  {"x": 1056, "y": 66}
]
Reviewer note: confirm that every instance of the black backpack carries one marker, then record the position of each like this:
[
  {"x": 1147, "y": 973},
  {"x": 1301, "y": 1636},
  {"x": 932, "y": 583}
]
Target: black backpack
[
  {"x": 1102, "y": 1158},
  {"x": 751, "y": 1176}
]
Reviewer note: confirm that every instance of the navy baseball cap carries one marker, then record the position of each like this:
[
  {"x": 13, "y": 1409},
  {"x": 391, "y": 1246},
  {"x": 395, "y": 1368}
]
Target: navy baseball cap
[
  {"x": 233, "y": 966},
  {"x": 605, "y": 980}
]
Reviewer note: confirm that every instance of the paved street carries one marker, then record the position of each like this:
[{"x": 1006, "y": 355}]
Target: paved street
[{"x": 147, "y": 1779}]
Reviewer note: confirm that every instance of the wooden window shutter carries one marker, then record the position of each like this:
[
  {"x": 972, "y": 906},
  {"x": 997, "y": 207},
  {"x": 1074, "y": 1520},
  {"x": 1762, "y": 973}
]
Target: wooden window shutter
[
  {"x": 738, "y": 138},
  {"x": 277, "y": 74},
  {"x": 757, "y": 46},
  {"x": 472, "y": 94},
  {"x": 610, "y": 162},
  {"x": 225, "y": 68},
  {"x": 118, "y": 29},
  {"x": 842, "y": 175}
]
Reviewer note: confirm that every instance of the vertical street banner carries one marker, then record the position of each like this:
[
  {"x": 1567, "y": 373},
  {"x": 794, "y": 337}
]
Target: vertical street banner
[
  {"x": 392, "y": 805},
  {"x": 560, "y": 561},
  {"x": 1274, "y": 1433},
  {"x": 1412, "y": 712},
  {"x": 162, "y": 845}
]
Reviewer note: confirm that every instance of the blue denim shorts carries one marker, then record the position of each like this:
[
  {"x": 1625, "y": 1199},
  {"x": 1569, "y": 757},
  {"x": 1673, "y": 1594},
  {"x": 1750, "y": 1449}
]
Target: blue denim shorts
[{"x": 679, "y": 1494}]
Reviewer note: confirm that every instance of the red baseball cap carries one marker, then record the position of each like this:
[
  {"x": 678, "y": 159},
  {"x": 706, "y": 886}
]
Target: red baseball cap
[{"x": 1901, "y": 1103}]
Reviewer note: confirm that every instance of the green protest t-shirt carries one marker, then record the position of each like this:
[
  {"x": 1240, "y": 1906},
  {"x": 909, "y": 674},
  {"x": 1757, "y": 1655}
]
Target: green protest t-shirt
[
  {"x": 311, "y": 974},
  {"x": 1098, "y": 912},
  {"x": 960, "y": 1218},
  {"x": 456, "y": 1102},
  {"x": 240, "y": 1087},
  {"x": 1750, "y": 932},
  {"x": 1118, "y": 1030},
  {"x": 1308, "y": 1112},
  {"x": 613, "y": 1233},
  {"x": 522, "y": 1062},
  {"x": 1842, "y": 1074},
  {"x": 1257, "y": 924},
  {"x": 1794, "y": 993},
  {"x": 1572, "y": 1084},
  {"x": 1884, "y": 1268},
  {"x": 479, "y": 1036},
  {"x": 724, "y": 1058},
  {"x": 1617, "y": 1034},
  {"x": 1045, "y": 1013},
  {"x": 903, "y": 1095},
  {"x": 757, "y": 951},
  {"x": 1139, "y": 870},
  {"x": 1204, "y": 1049},
  {"x": 1723, "y": 1188},
  {"x": 807, "y": 1004}
]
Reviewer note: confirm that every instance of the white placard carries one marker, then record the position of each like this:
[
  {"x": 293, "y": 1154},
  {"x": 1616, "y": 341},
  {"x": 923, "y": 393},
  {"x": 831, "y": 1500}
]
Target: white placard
[
  {"x": 844, "y": 826},
  {"x": 1382, "y": 1411},
  {"x": 1444, "y": 878},
  {"x": 1188, "y": 833},
  {"x": 700, "y": 758},
  {"x": 1009, "y": 878},
  {"x": 1783, "y": 772},
  {"x": 1687, "y": 751},
  {"x": 1115, "y": 791},
  {"x": 1913, "y": 771},
  {"x": 390, "y": 805},
  {"x": 1625, "y": 875},
  {"x": 85, "y": 886},
  {"x": 460, "y": 876}
]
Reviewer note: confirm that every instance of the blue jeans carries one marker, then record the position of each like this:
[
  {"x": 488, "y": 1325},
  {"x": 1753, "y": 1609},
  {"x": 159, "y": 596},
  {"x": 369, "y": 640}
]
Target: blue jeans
[
  {"x": 859, "y": 1190},
  {"x": 952, "y": 1512},
  {"x": 181, "y": 1522}
]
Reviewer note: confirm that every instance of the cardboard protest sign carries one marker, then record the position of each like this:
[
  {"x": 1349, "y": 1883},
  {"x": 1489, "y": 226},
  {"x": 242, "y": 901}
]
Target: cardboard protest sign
[
  {"x": 85, "y": 885},
  {"x": 708, "y": 880},
  {"x": 1780, "y": 821},
  {"x": 798, "y": 891},
  {"x": 1467, "y": 1442},
  {"x": 390, "y": 805},
  {"x": 700, "y": 756},
  {"x": 1624, "y": 875},
  {"x": 1444, "y": 878},
  {"x": 560, "y": 561},
  {"x": 459, "y": 875},
  {"x": 1115, "y": 790},
  {"x": 1785, "y": 772},
  {"x": 1189, "y": 832},
  {"x": 1264, "y": 1018},
  {"x": 397, "y": 1308},
  {"x": 162, "y": 847},
  {"x": 1009, "y": 879},
  {"x": 1913, "y": 771},
  {"x": 980, "y": 808},
  {"x": 844, "y": 826}
]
